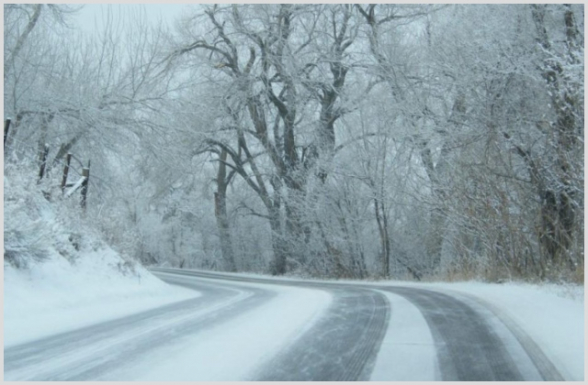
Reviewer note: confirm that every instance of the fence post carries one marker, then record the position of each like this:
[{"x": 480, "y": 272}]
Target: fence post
[
  {"x": 43, "y": 161},
  {"x": 6, "y": 128},
  {"x": 86, "y": 175},
  {"x": 65, "y": 172}
]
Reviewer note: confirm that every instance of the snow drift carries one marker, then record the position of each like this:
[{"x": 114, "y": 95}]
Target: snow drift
[{"x": 58, "y": 272}]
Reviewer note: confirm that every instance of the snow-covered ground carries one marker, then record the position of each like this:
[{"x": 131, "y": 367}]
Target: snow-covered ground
[
  {"x": 233, "y": 350},
  {"x": 67, "y": 276},
  {"x": 552, "y": 315},
  {"x": 64, "y": 283},
  {"x": 55, "y": 296}
]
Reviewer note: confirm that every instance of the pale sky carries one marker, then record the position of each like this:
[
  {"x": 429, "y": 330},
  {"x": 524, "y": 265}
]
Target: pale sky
[{"x": 94, "y": 14}]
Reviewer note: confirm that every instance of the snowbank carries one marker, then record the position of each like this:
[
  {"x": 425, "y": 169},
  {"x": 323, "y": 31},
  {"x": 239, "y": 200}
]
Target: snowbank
[
  {"x": 55, "y": 296},
  {"x": 59, "y": 274}
]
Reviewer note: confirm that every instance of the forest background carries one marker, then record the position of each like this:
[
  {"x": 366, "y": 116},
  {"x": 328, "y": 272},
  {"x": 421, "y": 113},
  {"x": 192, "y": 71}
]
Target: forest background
[{"x": 358, "y": 141}]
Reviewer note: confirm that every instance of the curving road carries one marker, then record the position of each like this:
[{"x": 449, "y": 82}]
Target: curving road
[
  {"x": 471, "y": 340},
  {"x": 86, "y": 353}
]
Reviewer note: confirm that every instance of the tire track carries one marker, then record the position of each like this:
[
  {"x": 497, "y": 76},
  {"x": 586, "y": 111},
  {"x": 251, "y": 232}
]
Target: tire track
[
  {"x": 342, "y": 346},
  {"x": 544, "y": 366},
  {"x": 88, "y": 352},
  {"x": 467, "y": 347}
]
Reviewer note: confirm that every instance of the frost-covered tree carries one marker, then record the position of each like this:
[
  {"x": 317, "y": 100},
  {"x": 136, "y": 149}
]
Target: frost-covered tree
[
  {"x": 284, "y": 69},
  {"x": 330, "y": 140}
]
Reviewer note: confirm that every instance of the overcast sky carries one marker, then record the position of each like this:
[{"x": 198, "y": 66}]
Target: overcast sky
[{"x": 93, "y": 15}]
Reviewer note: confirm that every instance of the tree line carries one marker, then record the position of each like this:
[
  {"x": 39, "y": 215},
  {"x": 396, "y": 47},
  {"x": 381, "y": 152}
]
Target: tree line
[{"x": 333, "y": 140}]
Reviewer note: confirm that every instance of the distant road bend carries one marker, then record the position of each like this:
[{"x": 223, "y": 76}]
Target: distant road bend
[{"x": 472, "y": 342}]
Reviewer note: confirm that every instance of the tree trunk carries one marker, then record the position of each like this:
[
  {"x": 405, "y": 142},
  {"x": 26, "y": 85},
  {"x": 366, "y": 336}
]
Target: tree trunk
[
  {"x": 434, "y": 242},
  {"x": 437, "y": 174},
  {"x": 298, "y": 233},
  {"x": 278, "y": 265},
  {"x": 220, "y": 211},
  {"x": 384, "y": 238}
]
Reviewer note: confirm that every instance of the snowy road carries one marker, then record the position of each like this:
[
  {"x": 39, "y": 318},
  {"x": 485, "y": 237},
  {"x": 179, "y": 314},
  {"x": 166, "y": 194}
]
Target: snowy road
[
  {"x": 247, "y": 328},
  {"x": 90, "y": 352}
]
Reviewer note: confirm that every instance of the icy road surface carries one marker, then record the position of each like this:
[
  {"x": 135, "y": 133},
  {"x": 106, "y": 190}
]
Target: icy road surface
[{"x": 247, "y": 328}]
